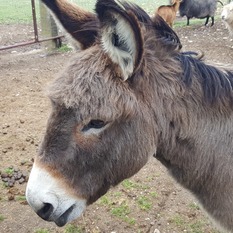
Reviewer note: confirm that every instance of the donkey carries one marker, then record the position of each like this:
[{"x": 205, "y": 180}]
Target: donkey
[{"x": 126, "y": 96}]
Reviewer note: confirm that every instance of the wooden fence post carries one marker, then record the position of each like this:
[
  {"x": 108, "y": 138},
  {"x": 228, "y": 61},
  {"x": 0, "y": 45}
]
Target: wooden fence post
[{"x": 49, "y": 29}]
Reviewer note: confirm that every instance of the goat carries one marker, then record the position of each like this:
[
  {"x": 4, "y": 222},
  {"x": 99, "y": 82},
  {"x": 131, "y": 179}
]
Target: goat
[
  {"x": 227, "y": 17},
  {"x": 168, "y": 12}
]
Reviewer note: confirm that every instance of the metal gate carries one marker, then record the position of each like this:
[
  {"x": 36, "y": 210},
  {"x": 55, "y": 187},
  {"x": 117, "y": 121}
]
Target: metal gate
[{"x": 34, "y": 30}]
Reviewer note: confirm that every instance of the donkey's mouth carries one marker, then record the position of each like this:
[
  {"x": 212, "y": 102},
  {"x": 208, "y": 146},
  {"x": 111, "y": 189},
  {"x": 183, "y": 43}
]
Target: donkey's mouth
[{"x": 63, "y": 219}]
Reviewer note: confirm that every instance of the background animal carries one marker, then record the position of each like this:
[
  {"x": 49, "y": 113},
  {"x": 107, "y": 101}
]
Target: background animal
[
  {"x": 199, "y": 9},
  {"x": 168, "y": 12},
  {"x": 132, "y": 94},
  {"x": 227, "y": 17}
]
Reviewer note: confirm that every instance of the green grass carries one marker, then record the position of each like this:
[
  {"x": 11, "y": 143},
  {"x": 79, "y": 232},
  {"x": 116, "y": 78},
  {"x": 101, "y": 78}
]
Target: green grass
[
  {"x": 193, "y": 22},
  {"x": 41, "y": 230},
  {"x": 64, "y": 48},
  {"x": 122, "y": 211},
  {"x": 154, "y": 194},
  {"x": 194, "y": 206},
  {"x": 20, "y": 198},
  {"x": 105, "y": 200},
  {"x": 13, "y": 11},
  {"x": 73, "y": 229},
  {"x": 148, "y": 5},
  {"x": 1, "y": 218},
  {"x": 9, "y": 170},
  {"x": 178, "y": 220},
  {"x": 197, "y": 227},
  {"x": 128, "y": 184},
  {"x": 144, "y": 203}
]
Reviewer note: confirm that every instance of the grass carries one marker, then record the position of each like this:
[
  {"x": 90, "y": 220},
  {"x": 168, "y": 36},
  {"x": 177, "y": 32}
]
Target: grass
[
  {"x": 148, "y": 5},
  {"x": 122, "y": 208},
  {"x": 12, "y": 11},
  {"x": 154, "y": 194},
  {"x": 144, "y": 203},
  {"x": 20, "y": 198},
  {"x": 119, "y": 204},
  {"x": 40, "y": 230},
  {"x": 119, "y": 209},
  {"x": 128, "y": 184},
  {"x": 105, "y": 200},
  {"x": 73, "y": 229},
  {"x": 197, "y": 227},
  {"x": 194, "y": 206},
  {"x": 64, "y": 48},
  {"x": 178, "y": 220},
  {"x": 192, "y": 22},
  {"x": 1, "y": 217},
  {"x": 4, "y": 185},
  {"x": 122, "y": 211},
  {"x": 9, "y": 171}
]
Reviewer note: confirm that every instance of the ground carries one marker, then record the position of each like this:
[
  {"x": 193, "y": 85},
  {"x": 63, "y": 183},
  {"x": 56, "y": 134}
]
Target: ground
[{"x": 149, "y": 202}]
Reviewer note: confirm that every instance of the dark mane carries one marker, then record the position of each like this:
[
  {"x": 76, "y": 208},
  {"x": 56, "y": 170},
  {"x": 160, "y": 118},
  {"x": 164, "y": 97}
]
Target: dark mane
[{"x": 216, "y": 84}]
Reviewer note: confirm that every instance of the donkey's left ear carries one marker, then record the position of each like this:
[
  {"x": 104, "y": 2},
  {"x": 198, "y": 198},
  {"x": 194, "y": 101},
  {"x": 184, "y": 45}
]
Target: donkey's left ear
[{"x": 121, "y": 36}]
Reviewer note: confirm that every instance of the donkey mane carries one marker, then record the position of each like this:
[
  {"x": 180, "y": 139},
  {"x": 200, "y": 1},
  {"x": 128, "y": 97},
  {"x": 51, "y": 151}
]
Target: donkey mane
[{"x": 216, "y": 84}]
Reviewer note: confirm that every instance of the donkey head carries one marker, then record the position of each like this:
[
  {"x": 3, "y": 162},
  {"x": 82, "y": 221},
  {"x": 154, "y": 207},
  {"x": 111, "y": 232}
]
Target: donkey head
[{"x": 99, "y": 132}]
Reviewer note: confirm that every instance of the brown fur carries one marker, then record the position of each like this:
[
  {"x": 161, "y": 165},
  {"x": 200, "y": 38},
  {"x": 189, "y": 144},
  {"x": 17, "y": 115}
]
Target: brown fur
[
  {"x": 168, "y": 12},
  {"x": 172, "y": 106}
]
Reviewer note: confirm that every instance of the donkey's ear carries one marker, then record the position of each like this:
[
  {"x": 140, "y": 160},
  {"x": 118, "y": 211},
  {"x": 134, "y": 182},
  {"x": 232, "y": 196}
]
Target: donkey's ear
[
  {"x": 82, "y": 25},
  {"x": 167, "y": 36},
  {"x": 121, "y": 36}
]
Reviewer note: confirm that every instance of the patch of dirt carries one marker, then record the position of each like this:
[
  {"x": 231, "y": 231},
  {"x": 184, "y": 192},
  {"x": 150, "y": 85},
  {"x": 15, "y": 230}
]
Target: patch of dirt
[{"x": 151, "y": 201}]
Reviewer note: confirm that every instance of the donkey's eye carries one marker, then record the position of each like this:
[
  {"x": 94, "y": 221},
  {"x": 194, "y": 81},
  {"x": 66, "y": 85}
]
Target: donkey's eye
[{"x": 94, "y": 124}]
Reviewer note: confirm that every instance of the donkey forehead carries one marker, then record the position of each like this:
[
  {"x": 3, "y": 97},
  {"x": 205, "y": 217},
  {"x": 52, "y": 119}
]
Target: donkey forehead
[{"x": 92, "y": 86}]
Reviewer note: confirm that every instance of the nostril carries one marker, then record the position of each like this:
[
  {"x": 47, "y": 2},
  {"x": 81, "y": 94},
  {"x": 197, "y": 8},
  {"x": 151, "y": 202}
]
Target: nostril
[{"x": 46, "y": 211}]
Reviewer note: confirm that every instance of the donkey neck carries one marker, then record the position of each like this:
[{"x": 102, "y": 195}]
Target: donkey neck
[{"x": 192, "y": 134}]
